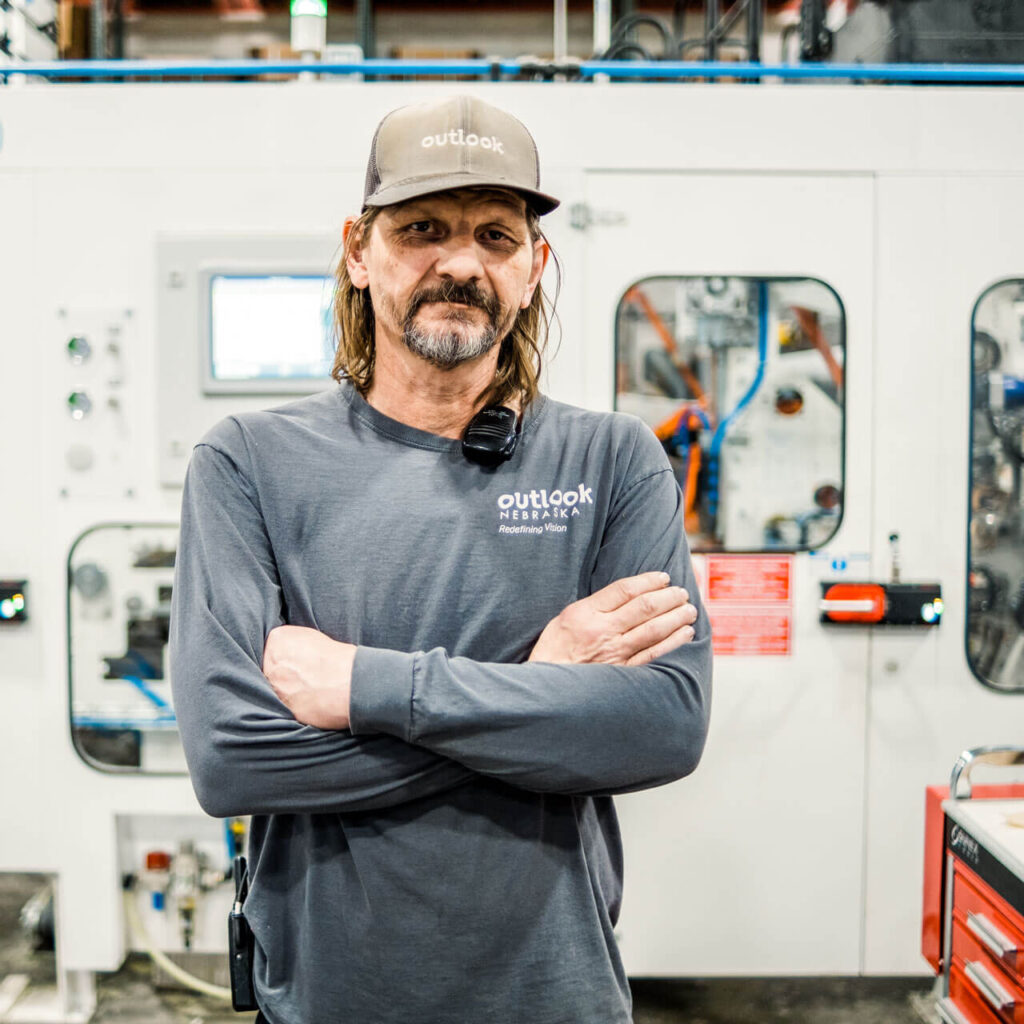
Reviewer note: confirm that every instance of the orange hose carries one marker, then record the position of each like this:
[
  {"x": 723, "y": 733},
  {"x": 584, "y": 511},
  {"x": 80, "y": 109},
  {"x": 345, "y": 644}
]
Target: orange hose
[
  {"x": 667, "y": 429},
  {"x": 808, "y": 321},
  {"x": 691, "y": 518}
]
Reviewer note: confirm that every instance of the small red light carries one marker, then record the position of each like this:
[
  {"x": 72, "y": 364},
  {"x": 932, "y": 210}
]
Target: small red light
[{"x": 157, "y": 860}]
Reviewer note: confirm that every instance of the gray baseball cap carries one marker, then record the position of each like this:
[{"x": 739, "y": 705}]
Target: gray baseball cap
[{"x": 459, "y": 142}]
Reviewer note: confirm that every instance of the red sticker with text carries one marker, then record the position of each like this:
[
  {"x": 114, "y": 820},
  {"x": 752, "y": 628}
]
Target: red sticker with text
[
  {"x": 753, "y": 632},
  {"x": 749, "y": 579},
  {"x": 749, "y": 601}
]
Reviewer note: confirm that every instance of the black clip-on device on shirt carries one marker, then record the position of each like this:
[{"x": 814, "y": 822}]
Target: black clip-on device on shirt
[
  {"x": 241, "y": 944},
  {"x": 492, "y": 436}
]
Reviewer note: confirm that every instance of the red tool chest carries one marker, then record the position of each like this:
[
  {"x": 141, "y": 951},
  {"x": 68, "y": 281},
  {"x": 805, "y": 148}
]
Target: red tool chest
[{"x": 973, "y": 922}]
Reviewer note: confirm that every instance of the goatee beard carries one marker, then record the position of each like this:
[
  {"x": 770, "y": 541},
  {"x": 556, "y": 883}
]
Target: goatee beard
[{"x": 447, "y": 347}]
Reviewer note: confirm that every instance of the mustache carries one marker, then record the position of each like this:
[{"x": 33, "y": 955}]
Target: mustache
[{"x": 468, "y": 293}]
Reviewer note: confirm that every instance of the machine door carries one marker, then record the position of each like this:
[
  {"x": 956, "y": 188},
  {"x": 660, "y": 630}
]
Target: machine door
[
  {"x": 754, "y": 865},
  {"x": 948, "y": 478}
]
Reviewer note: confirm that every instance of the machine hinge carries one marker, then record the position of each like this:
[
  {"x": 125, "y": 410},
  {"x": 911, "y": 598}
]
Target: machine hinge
[{"x": 583, "y": 216}]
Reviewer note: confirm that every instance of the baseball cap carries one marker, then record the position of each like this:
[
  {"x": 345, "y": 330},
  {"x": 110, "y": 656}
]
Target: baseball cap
[{"x": 457, "y": 142}]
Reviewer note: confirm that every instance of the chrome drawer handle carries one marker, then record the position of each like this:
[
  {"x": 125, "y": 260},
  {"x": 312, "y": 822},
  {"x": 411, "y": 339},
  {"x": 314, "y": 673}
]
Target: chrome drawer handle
[
  {"x": 991, "y": 936},
  {"x": 997, "y": 996},
  {"x": 949, "y": 1012}
]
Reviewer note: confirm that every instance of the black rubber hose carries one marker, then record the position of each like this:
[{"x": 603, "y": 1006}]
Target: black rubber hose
[
  {"x": 626, "y": 24},
  {"x": 628, "y": 51}
]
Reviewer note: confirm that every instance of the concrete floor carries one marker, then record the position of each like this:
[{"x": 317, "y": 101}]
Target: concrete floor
[
  {"x": 129, "y": 997},
  {"x": 783, "y": 1001}
]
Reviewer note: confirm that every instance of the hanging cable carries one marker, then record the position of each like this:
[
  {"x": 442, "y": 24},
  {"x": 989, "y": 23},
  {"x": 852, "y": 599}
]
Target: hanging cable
[
  {"x": 621, "y": 44},
  {"x": 748, "y": 396},
  {"x": 138, "y": 932}
]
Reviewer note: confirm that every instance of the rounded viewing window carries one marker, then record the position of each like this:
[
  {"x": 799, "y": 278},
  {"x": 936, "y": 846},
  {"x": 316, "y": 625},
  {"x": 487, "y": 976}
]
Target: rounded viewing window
[
  {"x": 120, "y": 579},
  {"x": 995, "y": 548},
  {"x": 742, "y": 380}
]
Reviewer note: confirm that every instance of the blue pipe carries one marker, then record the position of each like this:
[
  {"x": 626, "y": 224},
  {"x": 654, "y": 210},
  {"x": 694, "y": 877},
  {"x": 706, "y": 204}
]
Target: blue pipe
[
  {"x": 151, "y": 695},
  {"x": 615, "y": 69},
  {"x": 794, "y": 72},
  {"x": 229, "y": 839},
  {"x": 762, "y": 358},
  {"x": 137, "y": 724}
]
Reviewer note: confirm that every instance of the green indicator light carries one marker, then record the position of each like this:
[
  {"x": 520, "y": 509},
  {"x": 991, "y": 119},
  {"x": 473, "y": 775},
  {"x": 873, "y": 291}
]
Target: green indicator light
[
  {"x": 318, "y": 8},
  {"x": 19, "y": 602},
  {"x": 79, "y": 404},
  {"x": 79, "y": 348}
]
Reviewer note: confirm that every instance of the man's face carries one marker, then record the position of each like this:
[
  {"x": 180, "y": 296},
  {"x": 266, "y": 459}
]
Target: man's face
[{"x": 449, "y": 272}]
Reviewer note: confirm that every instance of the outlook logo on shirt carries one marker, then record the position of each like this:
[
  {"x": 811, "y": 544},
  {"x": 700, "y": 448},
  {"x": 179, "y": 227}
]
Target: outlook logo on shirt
[{"x": 542, "y": 509}]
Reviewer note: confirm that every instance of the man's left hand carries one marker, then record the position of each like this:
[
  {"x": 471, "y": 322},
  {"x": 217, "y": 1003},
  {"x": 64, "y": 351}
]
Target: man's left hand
[{"x": 311, "y": 674}]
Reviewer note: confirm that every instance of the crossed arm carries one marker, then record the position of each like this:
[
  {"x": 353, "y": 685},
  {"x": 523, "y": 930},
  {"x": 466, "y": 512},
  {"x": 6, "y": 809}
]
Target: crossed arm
[
  {"x": 630, "y": 622},
  {"x": 421, "y": 723}
]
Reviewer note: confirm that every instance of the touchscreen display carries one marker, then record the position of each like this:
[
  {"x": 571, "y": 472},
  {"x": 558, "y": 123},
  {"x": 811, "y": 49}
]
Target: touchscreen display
[{"x": 270, "y": 327}]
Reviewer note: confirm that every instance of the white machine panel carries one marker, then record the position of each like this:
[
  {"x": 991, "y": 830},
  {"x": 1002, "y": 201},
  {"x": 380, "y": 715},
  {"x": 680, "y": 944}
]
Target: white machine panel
[{"x": 223, "y": 345}]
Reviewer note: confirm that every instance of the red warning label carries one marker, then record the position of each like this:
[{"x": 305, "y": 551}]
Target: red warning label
[
  {"x": 753, "y": 632},
  {"x": 749, "y": 602},
  {"x": 750, "y": 579}
]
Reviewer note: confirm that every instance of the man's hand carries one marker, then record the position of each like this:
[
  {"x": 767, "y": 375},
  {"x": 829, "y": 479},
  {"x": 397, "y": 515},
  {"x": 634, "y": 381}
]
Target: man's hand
[
  {"x": 311, "y": 674},
  {"x": 630, "y": 622}
]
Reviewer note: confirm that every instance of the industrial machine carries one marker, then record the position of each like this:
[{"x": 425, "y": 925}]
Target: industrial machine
[
  {"x": 822, "y": 322},
  {"x": 909, "y": 31}
]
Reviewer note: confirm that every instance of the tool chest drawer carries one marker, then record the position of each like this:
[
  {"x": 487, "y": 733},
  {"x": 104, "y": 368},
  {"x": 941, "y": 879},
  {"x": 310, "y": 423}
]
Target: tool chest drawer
[
  {"x": 983, "y": 973},
  {"x": 967, "y": 1006},
  {"x": 991, "y": 920}
]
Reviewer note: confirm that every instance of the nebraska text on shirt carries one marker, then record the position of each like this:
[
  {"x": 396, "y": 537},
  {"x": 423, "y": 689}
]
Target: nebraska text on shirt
[{"x": 542, "y": 504}]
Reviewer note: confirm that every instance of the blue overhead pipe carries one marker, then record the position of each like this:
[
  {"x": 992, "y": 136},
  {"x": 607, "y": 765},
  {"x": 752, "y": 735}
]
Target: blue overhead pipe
[
  {"x": 484, "y": 69},
  {"x": 762, "y": 358}
]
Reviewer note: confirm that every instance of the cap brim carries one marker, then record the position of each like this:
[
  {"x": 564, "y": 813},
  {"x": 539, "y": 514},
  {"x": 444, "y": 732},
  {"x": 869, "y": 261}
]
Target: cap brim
[{"x": 412, "y": 188}]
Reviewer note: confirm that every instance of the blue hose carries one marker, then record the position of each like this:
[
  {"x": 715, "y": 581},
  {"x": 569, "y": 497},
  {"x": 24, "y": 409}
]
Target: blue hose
[
  {"x": 166, "y": 711},
  {"x": 229, "y": 837},
  {"x": 679, "y": 436},
  {"x": 748, "y": 397}
]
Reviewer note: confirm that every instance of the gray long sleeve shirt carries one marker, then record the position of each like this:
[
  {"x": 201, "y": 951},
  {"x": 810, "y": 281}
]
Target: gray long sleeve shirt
[{"x": 454, "y": 857}]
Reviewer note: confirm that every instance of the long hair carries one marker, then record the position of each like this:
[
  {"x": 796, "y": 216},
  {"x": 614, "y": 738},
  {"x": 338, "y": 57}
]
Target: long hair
[{"x": 520, "y": 357}]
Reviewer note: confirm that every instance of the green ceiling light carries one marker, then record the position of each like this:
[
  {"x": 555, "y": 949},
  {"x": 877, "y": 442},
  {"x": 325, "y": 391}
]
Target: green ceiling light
[{"x": 309, "y": 27}]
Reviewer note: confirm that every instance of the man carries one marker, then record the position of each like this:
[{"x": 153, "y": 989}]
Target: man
[{"x": 422, "y": 675}]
